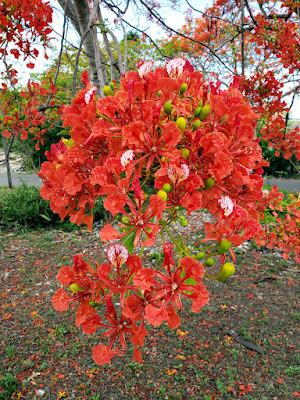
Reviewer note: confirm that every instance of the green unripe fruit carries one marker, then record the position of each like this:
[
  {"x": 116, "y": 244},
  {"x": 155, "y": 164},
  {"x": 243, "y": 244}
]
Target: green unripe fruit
[
  {"x": 112, "y": 85},
  {"x": 183, "y": 221},
  {"x": 224, "y": 246},
  {"x": 200, "y": 103},
  {"x": 162, "y": 194},
  {"x": 209, "y": 183},
  {"x": 92, "y": 303},
  {"x": 209, "y": 262},
  {"x": 125, "y": 220},
  {"x": 107, "y": 91},
  {"x": 183, "y": 88},
  {"x": 197, "y": 112},
  {"x": 200, "y": 255},
  {"x": 196, "y": 124},
  {"x": 185, "y": 153},
  {"x": 226, "y": 271},
  {"x": 167, "y": 188},
  {"x": 205, "y": 111},
  {"x": 181, "y": 123},
  {"x": 74, "y": 287},
  {"x": 168, "y": 107}
]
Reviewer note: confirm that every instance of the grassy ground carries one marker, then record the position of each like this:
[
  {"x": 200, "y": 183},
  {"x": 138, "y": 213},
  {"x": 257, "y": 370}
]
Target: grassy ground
[{"x": 44, "y": 355}]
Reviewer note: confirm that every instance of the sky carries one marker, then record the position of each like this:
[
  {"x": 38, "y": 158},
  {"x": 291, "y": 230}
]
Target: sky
[{"x": 174, "y": 18}]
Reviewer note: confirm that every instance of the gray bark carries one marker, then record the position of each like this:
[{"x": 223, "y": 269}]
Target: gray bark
[{"x": 78, "y": 12}]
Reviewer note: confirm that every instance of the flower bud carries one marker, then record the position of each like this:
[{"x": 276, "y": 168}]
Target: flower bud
[
  {"x": 74, "y": 287},
  {"x": 224, "y": 246},
  {"x": 196, "y": 124},
  {"x": 200, "y": 103},
  {"x": 107, "y": 91},
  {"x": 183, "y": 220},
  {"x": 226, "y": 271},
  {"x": 209, "y": 262},
  {"x": 185, "y": 153},
  {"x": 162, "y": 194},
  {"x": 168, "y": 107},
  {"x": 125, "y": 220},
  {"x": 200, "y": 255},
  {"x": 205, "y": 111},
  {"x": 166, "y": 188},
  {"x": 197, "y": 111},
  {"x": 209, "y": 183},
  {"x": 181, "y": 123},
  {"x": 112, "y": 85},
  {"x": 92, "y": 303},
  {"x": 183, "y": 88}
]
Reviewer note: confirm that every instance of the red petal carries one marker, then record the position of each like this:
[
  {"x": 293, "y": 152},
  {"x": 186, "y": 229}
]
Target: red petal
[
  {"x": 60, "y": 300},
  {"x": 155, "y": 316},
  {"x": 144, "y": 278},
  {"x": 108, "y": 233},
  {"x": 65, "y": 276},
  {"x": 90, "y": 325},
  {"x": 101, "y": 355},
  {"x": 174, "y": 319}
]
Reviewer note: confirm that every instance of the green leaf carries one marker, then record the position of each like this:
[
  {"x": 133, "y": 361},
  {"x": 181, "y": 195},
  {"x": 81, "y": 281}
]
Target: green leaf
[
  {"x": 190, "y": 281},
  {"x": 45, "y": 217},
  {"x": 128, "y": 240}
]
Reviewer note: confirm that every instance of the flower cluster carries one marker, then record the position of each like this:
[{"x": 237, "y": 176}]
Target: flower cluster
[{"x": 164, "y": 139}]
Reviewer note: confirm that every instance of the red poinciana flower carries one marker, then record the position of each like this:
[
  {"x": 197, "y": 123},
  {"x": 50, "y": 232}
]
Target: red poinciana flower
[
  {"x": 118, "y": 274},
  {"x": 120, "y": 328},
  {"x": 174, "y": 286},
  {"x": 139, "y": 220}
]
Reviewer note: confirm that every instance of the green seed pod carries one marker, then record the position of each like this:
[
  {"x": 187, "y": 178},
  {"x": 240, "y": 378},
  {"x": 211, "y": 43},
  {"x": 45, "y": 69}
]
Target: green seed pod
[
  {"x": 209, "y": 262},
  {"x": 183, "y": 88},
  {"x": 183, "y": 221},
  {"x": 162, "y": 194},
  {"x": 224, "y": 246},
  {"x": 181, "y": 123},
  {"x": 196, "y": 124},
  {"x": 125, "y": 220},
  {"x": 226, "y": 271},
  {"x": 167, "y": 187},
  {"x": 107, "y": 91},
  {"x": 205, "y": 111},
  {"x": 74, "y": 287},
  {"x": 185, "y": 153},
  {"x": 200, "y": 255},
  {"x": 168, "y": 107},
  {"x": 209, "y": 183},
  {"x": 197, "y": 112}
]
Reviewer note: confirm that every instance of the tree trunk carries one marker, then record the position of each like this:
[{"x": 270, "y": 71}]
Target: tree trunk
[
  {"x": 83, "y": 12},
  {"x": 6, "y": 151}
]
